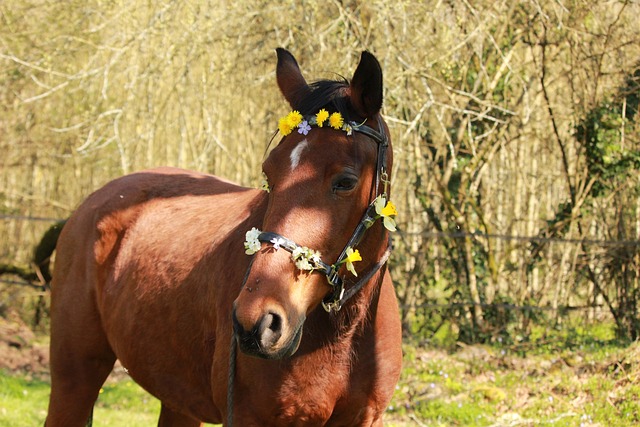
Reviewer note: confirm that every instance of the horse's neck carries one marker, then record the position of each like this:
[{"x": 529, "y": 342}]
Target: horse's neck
[
  {"x": 339, "y": 329},
  {"x": 359, "y": 308},
  {"x": 357, "y": 312}
]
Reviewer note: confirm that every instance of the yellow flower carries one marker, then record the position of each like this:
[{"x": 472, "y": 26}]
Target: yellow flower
[
  {"x": 284, "y": 127},
  {"x": 289, "y": 122},
  {"x": 389, "y": 210},
  {"x": 352, "y": 256},
  {"x": 336, "y": 121},
  {"x": 294, "y": 118},
  {"x": 386, "y": 210},
  {"x": 321, "y": 117}
]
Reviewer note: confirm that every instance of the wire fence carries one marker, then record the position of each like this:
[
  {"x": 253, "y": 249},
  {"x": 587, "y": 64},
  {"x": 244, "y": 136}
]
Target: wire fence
[
  {"x": 426, "y": 234},
  {"x": 28, "y": 218},
  {"x": 503, "y": 306},
  {"x": 535, "y": 239},
  {"x": 432, "y": 234}
]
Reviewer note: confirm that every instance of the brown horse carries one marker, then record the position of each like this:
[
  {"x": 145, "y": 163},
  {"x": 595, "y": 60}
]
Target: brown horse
[{"x": 163, "y": 269}]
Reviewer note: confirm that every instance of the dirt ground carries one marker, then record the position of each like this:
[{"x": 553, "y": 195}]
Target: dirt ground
[{"x": 20, "y": 350}]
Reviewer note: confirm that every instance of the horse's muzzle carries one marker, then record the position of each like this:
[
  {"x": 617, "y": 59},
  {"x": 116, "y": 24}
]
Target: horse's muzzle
[{"x": 265, "y": 338}]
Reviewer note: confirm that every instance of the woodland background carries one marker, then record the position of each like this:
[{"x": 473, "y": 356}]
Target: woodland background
[{"x": 515, "y": 128}]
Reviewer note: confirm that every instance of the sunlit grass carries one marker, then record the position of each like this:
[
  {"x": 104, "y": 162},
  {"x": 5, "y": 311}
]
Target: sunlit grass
[
  {"x": 125, "y": 403},
  {"x": 121, "y": 403},
  {"x": 22, "y": 402},
  {"x": 585, "y": 379},
  {"x": 577, "y": 377}
]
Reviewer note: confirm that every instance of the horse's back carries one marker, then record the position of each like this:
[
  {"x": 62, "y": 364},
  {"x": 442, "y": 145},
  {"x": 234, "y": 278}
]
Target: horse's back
[
  {"x": 94, "y": 233},
  {"x": 138, "y": 262}
]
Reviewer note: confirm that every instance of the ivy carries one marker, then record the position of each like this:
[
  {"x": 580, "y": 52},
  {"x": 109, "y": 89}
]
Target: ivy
[{"x": 608, "y": 157}]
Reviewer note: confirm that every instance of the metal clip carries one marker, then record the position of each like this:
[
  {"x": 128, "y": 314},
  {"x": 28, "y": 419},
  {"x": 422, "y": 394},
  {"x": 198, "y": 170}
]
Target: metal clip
[
  {"x": 336, "y": 303},
  {"x": 384, "y": 177}
]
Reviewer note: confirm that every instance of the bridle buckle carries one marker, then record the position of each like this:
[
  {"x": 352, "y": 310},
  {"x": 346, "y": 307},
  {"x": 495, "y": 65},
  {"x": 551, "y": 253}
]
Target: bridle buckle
[{"x": 335, "y": 302}]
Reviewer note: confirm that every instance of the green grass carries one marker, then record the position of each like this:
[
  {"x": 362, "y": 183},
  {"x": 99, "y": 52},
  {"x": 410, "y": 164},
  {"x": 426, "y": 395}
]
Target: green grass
[
  {"x": 125, "y": 403},
  {"x": 585, "y": 378},
  {"x": 24, "y": 403},
  {"x": 570, "y": 378}
]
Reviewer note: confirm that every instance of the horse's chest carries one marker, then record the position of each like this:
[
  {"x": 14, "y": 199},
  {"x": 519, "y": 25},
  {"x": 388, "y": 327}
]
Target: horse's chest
[
  {"x": 298, "y": 412},
  {"x": 311, "y": 412},
  {"x": 318, "y": 397}
]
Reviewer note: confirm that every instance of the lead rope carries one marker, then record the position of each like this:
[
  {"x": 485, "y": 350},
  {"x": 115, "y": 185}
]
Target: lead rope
[{"x": 231, "y": 379}]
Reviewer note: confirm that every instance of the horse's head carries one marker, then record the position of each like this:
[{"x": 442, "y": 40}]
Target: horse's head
[{"x": 328, "y": 180}]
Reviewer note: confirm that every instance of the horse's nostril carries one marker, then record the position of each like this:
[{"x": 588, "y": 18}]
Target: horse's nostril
[
  {"x": 275, "y": 322},
  {"x": 270, "y": 329},
  {"x": 260, "y": 338}
]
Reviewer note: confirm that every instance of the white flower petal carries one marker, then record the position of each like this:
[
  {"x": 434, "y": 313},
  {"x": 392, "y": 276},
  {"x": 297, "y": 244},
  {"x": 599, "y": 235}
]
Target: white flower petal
[
  {"x": 379, "y": 204},
  {"x": 389, "y": 223}
]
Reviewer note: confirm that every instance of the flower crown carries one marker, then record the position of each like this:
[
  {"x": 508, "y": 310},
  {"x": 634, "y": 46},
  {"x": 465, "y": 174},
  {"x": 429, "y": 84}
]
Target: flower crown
[{"x": 294, "y": 120}]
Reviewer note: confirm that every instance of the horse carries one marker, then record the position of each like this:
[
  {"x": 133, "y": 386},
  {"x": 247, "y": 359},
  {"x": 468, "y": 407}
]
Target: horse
[{"x": 223, "y": 301}]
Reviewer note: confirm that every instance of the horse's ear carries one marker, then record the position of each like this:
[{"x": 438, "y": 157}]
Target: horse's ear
[
  {"x": 366, "y": 86},
  {"x": 290, "y": 80}
]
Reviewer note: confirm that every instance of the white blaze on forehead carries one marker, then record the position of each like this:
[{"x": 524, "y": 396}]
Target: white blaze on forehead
[{"x": 296, "y": 153}]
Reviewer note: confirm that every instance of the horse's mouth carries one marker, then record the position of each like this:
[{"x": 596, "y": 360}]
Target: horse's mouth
[{"x": 250, "y": 344}]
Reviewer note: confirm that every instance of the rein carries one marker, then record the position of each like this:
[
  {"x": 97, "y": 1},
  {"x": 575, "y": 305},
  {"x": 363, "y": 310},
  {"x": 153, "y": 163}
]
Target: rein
[{"x": 231, "y": 379}]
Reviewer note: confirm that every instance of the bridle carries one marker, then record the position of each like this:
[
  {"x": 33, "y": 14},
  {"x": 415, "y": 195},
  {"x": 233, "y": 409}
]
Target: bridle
[{"x": 338, "y": 295}]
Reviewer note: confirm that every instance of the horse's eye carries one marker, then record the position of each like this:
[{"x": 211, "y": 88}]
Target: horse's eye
[{"x": 344, "y": 183}]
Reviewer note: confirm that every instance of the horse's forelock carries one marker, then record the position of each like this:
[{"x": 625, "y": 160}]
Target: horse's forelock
[{"x": 332, "y": 95}]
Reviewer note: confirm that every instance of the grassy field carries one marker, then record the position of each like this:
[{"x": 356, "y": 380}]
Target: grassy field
[
  {"x": 24, "y": 403},
  {"x": 570, "y": 379},
  {"x": 595, "y": 384}
]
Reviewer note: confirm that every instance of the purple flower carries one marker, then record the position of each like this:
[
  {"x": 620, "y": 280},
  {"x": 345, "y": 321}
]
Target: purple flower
[{"x": 304, "y": 127}]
